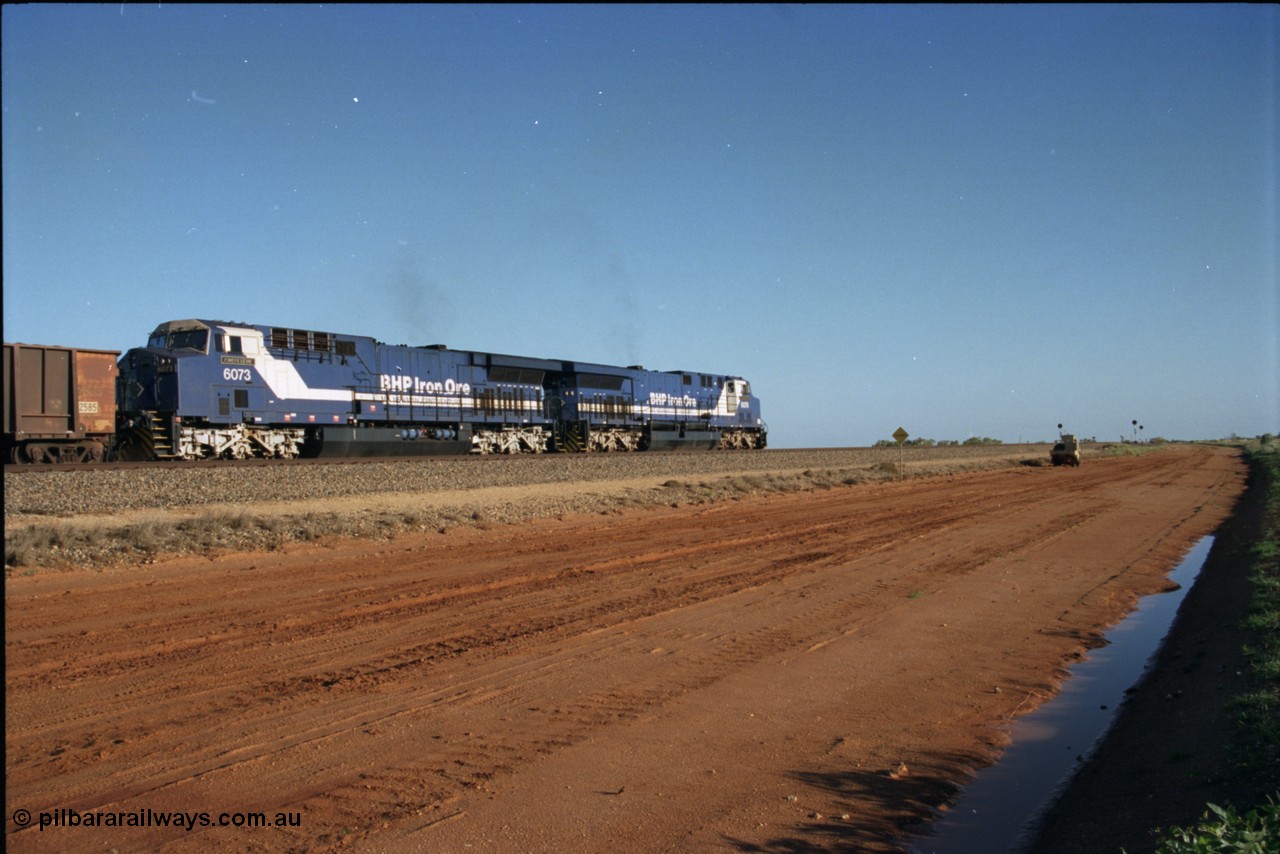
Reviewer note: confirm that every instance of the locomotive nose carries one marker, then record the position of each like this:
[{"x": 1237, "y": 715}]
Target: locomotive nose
[
  {"x": 139, "y": 371},
  {"x": 133, "y": 392}
]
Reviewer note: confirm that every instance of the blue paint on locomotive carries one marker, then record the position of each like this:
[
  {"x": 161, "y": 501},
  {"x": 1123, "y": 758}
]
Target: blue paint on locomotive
[{"x": 217, "y": 373}]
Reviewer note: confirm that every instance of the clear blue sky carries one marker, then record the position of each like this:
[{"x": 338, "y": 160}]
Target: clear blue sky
[{"x": 963, "y": 221}]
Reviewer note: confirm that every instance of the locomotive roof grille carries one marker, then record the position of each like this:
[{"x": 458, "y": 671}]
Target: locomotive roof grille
[{"x": 601, "y": 381}]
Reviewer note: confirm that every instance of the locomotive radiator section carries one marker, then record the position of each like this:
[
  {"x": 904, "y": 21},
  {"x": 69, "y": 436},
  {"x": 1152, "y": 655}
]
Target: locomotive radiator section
[{"x": 59, "y": 403}]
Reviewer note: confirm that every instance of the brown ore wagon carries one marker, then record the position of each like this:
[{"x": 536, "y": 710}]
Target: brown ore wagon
[{"x": 59, "y": 403}]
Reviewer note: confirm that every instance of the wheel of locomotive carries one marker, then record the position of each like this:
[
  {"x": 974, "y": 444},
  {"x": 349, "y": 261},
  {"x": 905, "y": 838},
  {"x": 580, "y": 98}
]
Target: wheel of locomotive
[
  {"x": 239, "y": 448},
  {"x": 287, "y": 452}
]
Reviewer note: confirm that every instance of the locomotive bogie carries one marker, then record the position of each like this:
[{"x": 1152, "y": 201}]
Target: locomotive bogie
[
  {"x": 607, "y": 439},
  {"x": 239, "y": 442},
  {"x": 511, "y": 440},
  {"x": 741, "y": 440}
]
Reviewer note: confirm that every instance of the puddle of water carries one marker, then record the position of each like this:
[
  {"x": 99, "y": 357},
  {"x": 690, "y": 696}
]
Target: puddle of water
[{"x": 999, "y": 810}]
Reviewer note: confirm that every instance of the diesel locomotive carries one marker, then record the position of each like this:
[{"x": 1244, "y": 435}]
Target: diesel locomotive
[{"x": 204, "y": 389}]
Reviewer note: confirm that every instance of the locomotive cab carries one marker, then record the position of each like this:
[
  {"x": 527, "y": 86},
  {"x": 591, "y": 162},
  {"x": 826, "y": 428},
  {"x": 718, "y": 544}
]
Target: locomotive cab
[
  {"x": 148, "y": 388},
  {"x": 149, "y": 376}
]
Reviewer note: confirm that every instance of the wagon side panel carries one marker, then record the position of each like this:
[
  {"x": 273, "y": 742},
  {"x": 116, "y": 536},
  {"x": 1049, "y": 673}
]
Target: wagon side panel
[{"x": 95, "y": 392}]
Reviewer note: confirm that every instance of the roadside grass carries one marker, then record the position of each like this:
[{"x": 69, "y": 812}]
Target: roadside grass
[{"x": 1257, "y": 711}]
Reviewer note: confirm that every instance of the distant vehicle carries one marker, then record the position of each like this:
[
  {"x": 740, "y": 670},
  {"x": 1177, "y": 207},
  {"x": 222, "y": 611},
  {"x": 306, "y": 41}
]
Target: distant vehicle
[
  {"x": 59, "y": 403},
  {"x": 1066, "y": 451}
]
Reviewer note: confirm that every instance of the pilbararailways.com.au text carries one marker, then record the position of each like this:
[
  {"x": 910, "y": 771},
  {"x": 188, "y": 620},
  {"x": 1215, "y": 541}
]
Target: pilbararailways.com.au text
[{"x": 146, "y": 817}]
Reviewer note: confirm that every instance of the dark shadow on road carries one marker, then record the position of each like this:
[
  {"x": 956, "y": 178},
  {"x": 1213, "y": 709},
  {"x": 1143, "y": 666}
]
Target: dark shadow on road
[{"x": 884, "y": 807}]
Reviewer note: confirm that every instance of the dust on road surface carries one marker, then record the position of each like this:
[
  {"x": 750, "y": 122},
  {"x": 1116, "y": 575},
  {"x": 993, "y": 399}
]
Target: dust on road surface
[{"x": 813, "y": 669}]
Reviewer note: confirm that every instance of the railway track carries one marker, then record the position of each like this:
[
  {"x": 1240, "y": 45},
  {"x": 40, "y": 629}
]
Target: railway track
[{"x": 156, "y": 465}]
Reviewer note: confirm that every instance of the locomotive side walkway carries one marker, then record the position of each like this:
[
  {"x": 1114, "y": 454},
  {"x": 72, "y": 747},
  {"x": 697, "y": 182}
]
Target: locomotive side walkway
[{"x": 816, "y": 669}]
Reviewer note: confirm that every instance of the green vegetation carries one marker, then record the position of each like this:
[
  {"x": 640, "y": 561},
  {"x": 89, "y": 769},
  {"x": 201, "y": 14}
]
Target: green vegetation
[
  {"x": 1260, "y": 708},
  {"x": 1223, "y": 829},
  {"x": 1255, "y": 832}
]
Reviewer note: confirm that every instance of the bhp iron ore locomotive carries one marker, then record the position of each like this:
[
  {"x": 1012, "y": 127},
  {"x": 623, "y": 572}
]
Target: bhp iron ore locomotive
[{"x": 210, "y": 389}]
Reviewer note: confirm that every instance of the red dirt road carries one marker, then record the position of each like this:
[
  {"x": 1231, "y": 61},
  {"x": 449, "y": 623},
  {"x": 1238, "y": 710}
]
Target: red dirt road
[{"x": 813, "y": 669}]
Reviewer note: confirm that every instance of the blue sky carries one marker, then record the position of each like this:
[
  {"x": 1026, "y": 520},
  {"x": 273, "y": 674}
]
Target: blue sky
[{"x": 964, "y": 221}]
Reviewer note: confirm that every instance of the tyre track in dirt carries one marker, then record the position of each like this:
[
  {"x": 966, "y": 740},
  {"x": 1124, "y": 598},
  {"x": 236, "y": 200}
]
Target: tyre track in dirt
[{"x": 399, "y": 692}]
